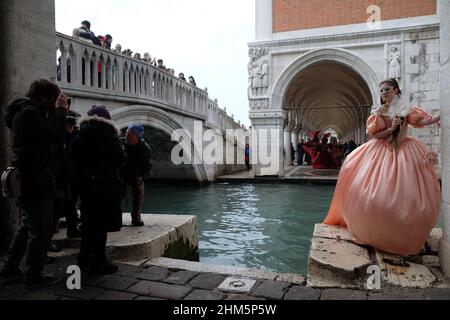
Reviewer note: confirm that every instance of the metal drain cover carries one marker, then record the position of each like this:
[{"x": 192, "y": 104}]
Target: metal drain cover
[{"x": 237, "y": 285}]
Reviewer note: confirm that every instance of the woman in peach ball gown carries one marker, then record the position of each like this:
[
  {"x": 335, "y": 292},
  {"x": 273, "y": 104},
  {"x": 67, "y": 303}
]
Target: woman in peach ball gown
[{"x": 388, "y": 194}]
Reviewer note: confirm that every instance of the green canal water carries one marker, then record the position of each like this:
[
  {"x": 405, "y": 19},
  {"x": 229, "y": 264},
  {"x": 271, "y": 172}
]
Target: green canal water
[{"x": 265, "y": 226}]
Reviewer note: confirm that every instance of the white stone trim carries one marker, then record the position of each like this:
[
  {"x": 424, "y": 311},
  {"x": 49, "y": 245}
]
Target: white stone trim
[
  {"x": 386, "y": 25},
  {"x": 263, "y": 15},
  {"x": 266, "y": 115}
]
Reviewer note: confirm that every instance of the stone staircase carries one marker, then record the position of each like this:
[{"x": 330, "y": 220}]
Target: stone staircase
[{"x": 337, "y": 261}]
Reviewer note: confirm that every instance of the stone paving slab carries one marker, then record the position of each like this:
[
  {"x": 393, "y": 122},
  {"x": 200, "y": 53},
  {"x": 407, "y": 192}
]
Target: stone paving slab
[
  {"x": 397, "y": 294},
  {"x": 117, "y": 283},
  {"x": 343, "y": 257},
  {"x": 207, "y": 281},
  {"x": 37, "y": 296},
  {"x": 198, "y": 294},
  {"x": 302, "y": 293},
  {"x": 272, "y": 290},
  {"x": 243, "y": 297},
  {"x": 153, "y": 274},
  {"x": 87, "y": 293},
  {"x": 413, "y": 276},
  {"x": 160, "y": 290},
  {"x": 92, "y": 281},
  {"x": 115, "y": 295},
  {"x": 437, "y": 294},
  {"x": 341, "y": 294},
  {"x": 181, "y": 277},
  {"x": 293, "y": 278},
  {"x": 148, "y": 298}
]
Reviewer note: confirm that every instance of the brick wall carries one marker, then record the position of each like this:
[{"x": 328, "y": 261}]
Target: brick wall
[{"x": 289, "y": 15}]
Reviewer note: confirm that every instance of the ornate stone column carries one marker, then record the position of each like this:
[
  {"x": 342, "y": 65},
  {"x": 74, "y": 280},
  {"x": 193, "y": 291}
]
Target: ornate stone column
[
  {"x": 28, "y": 41},
  {"x": 444, "y": 16}
]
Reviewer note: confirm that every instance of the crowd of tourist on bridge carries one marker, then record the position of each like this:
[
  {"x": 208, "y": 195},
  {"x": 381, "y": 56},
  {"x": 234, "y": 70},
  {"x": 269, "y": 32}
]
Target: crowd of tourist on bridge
[
  {"x": 63, "y": 160},
  {"x": 84, "y": 32}
]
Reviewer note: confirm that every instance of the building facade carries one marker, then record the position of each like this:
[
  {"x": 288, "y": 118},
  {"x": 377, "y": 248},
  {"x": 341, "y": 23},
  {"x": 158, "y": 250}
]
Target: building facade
[{"x": 317, "y": 67}]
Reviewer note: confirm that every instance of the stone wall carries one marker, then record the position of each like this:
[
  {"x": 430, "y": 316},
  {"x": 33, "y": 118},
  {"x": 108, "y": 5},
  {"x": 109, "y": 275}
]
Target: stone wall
[{"x": 28, "y": 31}]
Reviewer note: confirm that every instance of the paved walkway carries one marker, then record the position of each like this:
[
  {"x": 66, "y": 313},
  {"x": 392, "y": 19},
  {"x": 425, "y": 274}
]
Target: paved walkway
[
  {"x": 293, "y": 174},
  {"x": 164, "y": 283}
]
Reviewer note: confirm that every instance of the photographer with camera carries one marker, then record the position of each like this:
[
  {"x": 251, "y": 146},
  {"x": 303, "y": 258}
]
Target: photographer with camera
[{"x": 37, "y": 121}]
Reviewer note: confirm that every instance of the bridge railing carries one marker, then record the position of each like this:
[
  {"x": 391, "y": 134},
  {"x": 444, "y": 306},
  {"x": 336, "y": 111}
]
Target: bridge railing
[{"x": 90, "y": 69}]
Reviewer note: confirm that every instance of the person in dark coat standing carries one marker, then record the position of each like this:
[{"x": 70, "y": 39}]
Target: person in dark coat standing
[
  {"x": 97, "y": 156},
  {"x": 36, "y": 121},
  {"x": 247, "y": 156},
  {"x": 137, "y": 168},
  {"x": 66, "y": 198},
  {"x": 300, "y": 152}
]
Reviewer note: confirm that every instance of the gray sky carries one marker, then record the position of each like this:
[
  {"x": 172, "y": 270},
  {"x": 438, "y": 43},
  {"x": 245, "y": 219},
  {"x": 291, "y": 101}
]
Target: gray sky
[{"x": 203, "y": 38}]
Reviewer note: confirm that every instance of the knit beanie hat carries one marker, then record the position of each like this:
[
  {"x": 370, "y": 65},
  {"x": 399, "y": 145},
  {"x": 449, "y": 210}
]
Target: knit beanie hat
[
  {"x": 137, "y": 129},
  {"x": 99, "y": 111}
]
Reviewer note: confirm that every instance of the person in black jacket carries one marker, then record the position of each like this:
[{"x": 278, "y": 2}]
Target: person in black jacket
[
  {"x": 36, "y": 121},
  {"x": 67, "y": 195},
  {"x": 137, "y": 168},
  {"x": 97, "y": 155}
]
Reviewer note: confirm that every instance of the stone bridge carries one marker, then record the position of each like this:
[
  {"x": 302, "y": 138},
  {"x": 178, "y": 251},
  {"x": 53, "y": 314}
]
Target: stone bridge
[{"x": 135, "y": 91}]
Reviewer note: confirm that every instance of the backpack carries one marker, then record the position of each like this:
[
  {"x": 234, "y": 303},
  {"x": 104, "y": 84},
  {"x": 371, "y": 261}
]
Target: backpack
[{"x": 10, "y": 183}]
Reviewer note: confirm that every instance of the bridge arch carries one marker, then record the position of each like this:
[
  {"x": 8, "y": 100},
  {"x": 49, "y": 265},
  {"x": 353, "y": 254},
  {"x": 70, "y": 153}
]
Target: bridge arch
[{"x": 163, "y": 122}]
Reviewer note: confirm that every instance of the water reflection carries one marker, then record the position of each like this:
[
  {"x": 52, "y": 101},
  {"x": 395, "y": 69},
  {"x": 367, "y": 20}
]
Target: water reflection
[{"x": 262, "y": 226}]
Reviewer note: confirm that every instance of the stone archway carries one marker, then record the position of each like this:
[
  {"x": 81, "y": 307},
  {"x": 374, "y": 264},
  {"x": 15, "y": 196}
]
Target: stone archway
[
  {"x": 340, "y": 56},
  {"x": 326, "y": 88},
  {"x": 162, "y": 125}
]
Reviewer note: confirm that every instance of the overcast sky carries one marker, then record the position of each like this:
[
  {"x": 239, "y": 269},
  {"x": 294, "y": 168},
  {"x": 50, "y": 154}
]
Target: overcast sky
[{"x": 203, "y": 38}]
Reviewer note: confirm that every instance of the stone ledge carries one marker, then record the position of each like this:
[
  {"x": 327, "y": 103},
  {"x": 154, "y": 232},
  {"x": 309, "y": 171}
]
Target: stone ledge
[
  {"x": 412, "y": 276},
  {"x": 336, "y": 261},
  {"x": 162, "y": 234}
]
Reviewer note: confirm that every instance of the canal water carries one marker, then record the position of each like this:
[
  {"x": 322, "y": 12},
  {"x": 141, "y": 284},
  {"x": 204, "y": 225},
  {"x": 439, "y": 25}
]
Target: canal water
[{"x": 265, "y": 226}]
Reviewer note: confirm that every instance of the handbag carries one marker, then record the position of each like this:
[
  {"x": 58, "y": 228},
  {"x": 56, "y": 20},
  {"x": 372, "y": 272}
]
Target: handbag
[{"x": 11, "y": 183}]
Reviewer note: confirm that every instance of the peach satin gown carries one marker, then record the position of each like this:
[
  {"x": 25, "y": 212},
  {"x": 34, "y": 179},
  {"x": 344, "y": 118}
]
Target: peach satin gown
[{"x": 388, "y": 198}]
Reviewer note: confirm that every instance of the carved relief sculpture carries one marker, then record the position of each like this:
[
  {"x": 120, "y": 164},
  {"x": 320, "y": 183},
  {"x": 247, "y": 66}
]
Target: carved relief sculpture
[
  {"x": 258, "y": 72},
  {"x": 394, "y": 64}
]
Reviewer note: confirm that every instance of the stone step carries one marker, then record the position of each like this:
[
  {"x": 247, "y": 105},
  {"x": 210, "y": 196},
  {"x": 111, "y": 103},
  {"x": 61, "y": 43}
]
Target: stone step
[
  {"x": 173, "y": 236},
  {"x": 409, "y": 275},
  {"x": 337, "y": 261}
]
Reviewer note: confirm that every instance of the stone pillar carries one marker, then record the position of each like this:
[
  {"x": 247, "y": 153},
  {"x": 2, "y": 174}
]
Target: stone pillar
[
  {"x": 267, "y": 143},
  {"x": 444, "y": 16},
  {"x": 28, "y": 41},
  {"x": 295, "y": 140},
  {"x": 287, "y": 146}
]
